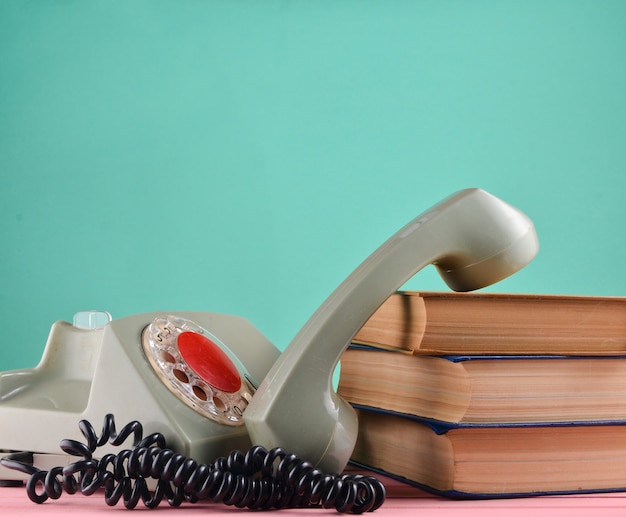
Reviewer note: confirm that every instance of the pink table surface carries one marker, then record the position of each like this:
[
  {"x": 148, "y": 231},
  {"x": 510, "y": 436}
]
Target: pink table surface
[{"x": 401, "y": 500}]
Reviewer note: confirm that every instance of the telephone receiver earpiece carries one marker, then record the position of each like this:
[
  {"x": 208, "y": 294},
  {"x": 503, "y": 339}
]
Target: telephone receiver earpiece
[{"x": 473, "y": 238}]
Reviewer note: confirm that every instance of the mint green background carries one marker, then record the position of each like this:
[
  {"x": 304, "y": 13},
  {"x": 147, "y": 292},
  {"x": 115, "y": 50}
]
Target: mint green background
[{"x": 244, "y": 156}]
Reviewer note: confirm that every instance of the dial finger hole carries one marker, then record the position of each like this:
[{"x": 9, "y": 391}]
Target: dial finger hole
[
  {"x": 167, "y": 357},
  {"x": 200, "y": 393},
  {"x": 220, "y": 404},
  {"x": 180, "y": 375}
]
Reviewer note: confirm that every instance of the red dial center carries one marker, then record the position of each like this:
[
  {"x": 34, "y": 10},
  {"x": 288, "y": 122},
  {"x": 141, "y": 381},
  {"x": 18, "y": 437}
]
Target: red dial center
[{"x": 209, "y": 361}]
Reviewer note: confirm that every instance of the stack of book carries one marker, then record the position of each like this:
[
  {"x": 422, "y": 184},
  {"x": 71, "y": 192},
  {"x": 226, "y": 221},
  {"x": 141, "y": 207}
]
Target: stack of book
[{"x": 492, "y": 395}]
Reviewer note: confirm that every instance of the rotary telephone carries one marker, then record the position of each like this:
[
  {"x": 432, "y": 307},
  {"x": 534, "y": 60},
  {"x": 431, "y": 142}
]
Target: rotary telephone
[{"x": 211, "y": 383}]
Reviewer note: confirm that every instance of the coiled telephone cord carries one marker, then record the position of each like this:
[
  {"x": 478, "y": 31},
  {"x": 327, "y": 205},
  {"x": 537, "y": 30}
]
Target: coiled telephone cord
[{"x": 258, "y": 479}]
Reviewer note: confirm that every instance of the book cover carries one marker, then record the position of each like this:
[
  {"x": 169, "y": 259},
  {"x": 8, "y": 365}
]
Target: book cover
[
  {"x": 478, "y": 461},
  {"x": 498, "y": 323},
  {"x": 486, "y": 389}
]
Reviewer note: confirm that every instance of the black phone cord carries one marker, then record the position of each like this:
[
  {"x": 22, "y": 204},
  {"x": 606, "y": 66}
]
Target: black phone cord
[{"x": 258, "y": 479}]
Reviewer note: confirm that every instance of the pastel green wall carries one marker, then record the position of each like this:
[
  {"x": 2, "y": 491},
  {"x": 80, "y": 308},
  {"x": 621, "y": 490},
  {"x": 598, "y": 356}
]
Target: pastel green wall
[{"x": 244, "y": 156}]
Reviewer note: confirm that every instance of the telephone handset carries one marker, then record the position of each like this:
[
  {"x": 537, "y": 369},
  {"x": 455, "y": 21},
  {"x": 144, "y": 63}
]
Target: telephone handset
[
  {"x": 160, "y": 368},
  {"x": 473, "y": 239}
]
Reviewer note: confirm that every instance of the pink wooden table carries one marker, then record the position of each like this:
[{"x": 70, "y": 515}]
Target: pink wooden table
[{"x": 402, "y": 500}]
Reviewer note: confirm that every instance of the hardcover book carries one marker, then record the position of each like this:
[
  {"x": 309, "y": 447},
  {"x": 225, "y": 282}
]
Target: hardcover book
[
  {"x": 493, "y": 323},
  {"x": 465, "y": 461},
  {"x": 486, "y": 389}
]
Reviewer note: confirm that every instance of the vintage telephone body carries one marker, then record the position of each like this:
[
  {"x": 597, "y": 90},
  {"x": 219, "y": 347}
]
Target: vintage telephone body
[
  {"x": 287, "y": 400},
  {"x": 87, "y": 373}
]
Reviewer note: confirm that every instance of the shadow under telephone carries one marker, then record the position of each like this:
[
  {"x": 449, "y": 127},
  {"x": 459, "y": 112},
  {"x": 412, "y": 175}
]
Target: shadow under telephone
[{"x": 211, "y": 383}]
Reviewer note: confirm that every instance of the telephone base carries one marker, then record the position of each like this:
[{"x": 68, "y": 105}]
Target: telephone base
[{"x": 87, "y": 373}]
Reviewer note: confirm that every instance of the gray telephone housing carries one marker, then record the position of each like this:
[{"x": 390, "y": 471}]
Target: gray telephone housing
[{"x": 473, "y": 238}]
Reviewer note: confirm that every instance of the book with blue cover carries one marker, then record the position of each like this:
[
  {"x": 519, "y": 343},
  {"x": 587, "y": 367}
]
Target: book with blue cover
[
  {"x": 486, "y": 389},
  {"x": 491, "y": 461},
  {"x": 497, "y": 323}
]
